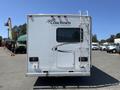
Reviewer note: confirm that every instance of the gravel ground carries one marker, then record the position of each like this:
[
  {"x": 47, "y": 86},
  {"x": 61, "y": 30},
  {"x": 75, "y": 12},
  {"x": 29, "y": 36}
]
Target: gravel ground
[{"x": 105, "y": 74}]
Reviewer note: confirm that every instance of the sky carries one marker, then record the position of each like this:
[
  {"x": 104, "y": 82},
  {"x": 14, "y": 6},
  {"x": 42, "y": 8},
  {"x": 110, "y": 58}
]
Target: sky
[{"x": 105, "y": 13}]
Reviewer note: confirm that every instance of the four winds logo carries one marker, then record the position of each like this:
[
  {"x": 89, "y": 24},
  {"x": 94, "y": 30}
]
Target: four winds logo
[{"x": 54, "y": 21}]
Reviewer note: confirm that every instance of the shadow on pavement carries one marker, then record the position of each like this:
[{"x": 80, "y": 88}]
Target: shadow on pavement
[{"x": 97, "y": 79}]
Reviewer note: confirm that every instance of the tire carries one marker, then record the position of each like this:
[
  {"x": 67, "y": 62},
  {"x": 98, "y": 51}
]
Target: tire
[
  {"x": 108, "y": 51},
  {"x": 119, "y": 52},
  {"x": 113, "y": 51}
]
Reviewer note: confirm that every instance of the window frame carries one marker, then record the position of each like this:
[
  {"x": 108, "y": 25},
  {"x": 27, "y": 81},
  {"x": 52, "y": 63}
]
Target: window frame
[{"x": 81, "y": 35}]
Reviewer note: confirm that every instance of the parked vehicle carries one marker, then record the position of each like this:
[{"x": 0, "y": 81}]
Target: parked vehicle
[
  {"x": 111, "y": 48},
  {"x": 118, "y": 48},
  {"x": 9, "y": 44},
  {"x": 95, "y": 46},
  {"x": 59, "y": 45},
  {"x": 117, "y": 40},
  {"x": 20, "y": 47},
  {"x": 21, "y": 44},
  {"x": 103, "y": 47}
]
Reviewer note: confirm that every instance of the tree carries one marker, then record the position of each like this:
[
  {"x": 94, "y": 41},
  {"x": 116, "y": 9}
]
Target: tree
[
  {"x": 111, "y": 39},
  {"x": 0, "y": 40},
  {"x": 15, "y": 32},
  {"x": 18, "y": 31},
  {"x": 22, "y": 29},
  {"x": 94, "y": 38},
  {"x": 117, "y": 35},
  {"x": 102, "y": 41}
]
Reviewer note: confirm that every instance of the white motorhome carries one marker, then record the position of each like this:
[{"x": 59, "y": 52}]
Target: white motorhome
[{"x": 59, "y": 45}]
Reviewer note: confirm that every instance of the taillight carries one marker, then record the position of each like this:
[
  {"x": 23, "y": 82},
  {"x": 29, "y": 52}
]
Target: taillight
[
  {"x": 83, "y": 59},
  {"x": 34, "y": 62}
]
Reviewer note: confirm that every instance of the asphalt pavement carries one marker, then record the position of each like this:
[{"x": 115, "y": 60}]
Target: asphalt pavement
[{"x": 105, "y": 74}]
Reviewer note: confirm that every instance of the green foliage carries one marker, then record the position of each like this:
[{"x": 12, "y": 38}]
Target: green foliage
[
  {"x": 111, "y": 39},
  {"x": 102, "y": 41},
  {"x": 0, "y": 38},
  {"x": 118, "y": 35},
  {"x": 94, "y": 38},
  {"x": 22, "y": 29},
  {"x": 18, "y": 31}
]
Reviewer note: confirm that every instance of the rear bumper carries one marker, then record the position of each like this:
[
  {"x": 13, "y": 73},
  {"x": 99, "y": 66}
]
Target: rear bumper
[
  {"x": 59, "y": 74},
  {"x": 110, "y": 50}
]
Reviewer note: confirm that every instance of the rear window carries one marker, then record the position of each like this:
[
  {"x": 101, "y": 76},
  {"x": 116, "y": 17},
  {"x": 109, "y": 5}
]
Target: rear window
[
  {"x": 22, "y": 42},
  {"x": 69, "y": 35}
]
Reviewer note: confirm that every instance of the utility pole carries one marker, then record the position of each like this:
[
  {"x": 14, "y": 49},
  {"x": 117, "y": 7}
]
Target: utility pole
[{"x": 9, "y": 25}]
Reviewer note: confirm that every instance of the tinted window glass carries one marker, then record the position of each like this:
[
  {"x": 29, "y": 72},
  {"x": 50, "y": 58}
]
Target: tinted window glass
[
  {"x": 22, "y": 42},
  {"x": 69, "y": 35}
]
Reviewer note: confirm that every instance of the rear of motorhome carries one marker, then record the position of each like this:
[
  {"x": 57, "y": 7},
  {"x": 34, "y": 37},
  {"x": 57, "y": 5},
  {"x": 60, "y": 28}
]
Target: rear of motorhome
[{"x": 58, "y": 45}]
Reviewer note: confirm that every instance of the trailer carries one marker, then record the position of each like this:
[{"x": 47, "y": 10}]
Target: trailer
[
  {"x": 117, "y": 40},
  {"x": 58, "y": 45}
]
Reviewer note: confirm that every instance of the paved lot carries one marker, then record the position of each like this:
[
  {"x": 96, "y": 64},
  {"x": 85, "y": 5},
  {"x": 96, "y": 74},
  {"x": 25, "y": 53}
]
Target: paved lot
[{"x": 105, "y": 74}]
